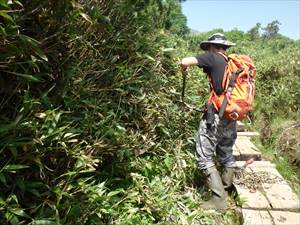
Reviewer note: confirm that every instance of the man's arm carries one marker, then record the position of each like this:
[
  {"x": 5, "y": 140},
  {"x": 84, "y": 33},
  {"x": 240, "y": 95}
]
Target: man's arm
[{"x": 188, "y": 61}]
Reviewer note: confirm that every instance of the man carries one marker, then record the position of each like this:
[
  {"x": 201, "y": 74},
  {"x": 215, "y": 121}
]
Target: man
[{"x": 215, "y": 134}]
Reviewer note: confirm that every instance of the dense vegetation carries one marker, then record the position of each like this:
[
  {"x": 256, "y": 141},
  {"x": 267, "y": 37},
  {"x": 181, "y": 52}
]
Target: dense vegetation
[{"x": 90, "y": 128}]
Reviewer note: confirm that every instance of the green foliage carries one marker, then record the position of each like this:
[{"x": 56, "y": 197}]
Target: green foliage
[
  {"x": 271, "y": 29},
  {"x": 88, "y": 87},
  {"x": 254, "y": 32},
  {"x": 90, "y": 128},
  {"x": 176, "y": 22}
]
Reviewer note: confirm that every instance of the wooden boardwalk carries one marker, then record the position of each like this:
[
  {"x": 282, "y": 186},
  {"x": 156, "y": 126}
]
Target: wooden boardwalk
[{"x": 268, "y": 198}]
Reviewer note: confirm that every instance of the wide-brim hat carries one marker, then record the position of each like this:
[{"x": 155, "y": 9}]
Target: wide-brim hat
[{"x": 218, "y": 39}]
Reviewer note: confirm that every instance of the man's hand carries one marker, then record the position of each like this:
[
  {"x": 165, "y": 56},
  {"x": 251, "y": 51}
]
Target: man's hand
[
  {"x": 184, "y": 68},
  {"x": 186, "y": 62}
]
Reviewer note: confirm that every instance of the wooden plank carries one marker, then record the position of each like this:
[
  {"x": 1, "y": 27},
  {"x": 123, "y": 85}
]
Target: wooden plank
[
  {"x": 247, "y": 134},
  {"x": 262, "y": 217},
  {"x": 263, "y": 166},
  {"x": 279, "y": 194},
  {"x": 273, "y": 203},
  {"x": 257, "y": 164},
  {"x": 240, "y": 126},
  {"x": 281, "y": 197},
  {"x": 285, "y": 218},
  {"x": 247, "y": 149},
  {"x": 256, "y": 217},
  {"x": 253, "y": 200},
  {"x": 246, "y": 155},
  {"x": 236, "y": 153},
  {"x": 245, "y": 142},
  {"x": 271, "y": 170}
]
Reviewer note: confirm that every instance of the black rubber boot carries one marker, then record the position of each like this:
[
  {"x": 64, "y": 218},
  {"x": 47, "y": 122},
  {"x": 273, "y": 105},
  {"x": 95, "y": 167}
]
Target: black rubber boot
[
  {"x": 214, "y": 182},
  {"x": 227, "y": 178}
]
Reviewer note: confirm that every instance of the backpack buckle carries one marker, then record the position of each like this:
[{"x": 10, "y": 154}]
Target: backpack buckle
[{"x": 234, "y": 115}]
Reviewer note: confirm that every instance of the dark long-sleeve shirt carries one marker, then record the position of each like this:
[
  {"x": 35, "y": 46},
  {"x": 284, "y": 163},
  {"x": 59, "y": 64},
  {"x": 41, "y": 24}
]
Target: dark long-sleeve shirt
[{"x": 213, "y": 65}]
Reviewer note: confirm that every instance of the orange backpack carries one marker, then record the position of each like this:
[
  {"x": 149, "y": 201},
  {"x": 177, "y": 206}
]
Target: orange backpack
[{"x": 238, "y": 88}]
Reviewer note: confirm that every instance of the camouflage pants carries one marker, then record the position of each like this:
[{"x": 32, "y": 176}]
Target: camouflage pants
[{"x": 218, "y": 140}]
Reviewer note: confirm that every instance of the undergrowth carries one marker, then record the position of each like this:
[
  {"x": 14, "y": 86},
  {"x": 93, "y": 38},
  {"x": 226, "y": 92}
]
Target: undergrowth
[
  {"x": 90, "y": 120},
  {"x": 91, "y": 130}
]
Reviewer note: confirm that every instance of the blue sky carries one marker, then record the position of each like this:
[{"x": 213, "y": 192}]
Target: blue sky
[{"x": 205, "y": 15}]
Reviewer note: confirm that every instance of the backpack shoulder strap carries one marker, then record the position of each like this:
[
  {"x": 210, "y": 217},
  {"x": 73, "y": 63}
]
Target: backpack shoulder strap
[
  {"x": 236, "y": 59},
  {"x": 224, "y": 56}
]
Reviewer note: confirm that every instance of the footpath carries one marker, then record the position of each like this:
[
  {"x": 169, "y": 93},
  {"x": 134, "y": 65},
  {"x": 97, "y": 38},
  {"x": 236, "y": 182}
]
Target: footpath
[{"x": 267, "y": 199}]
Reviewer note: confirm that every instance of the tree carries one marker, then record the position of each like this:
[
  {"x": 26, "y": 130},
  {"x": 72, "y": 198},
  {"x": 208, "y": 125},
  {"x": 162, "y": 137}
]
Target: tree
[
  {"x": 236, "y": 35},
  {"x": 271, "y": 29},
  {"x": 254, "y": 31},
  {"x": 176, "y": 21}
]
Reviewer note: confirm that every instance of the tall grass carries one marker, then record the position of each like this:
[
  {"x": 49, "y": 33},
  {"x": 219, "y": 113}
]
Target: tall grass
[
  {"x": 86, "y": 88},
  {"x": 90, "y": 128}
]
